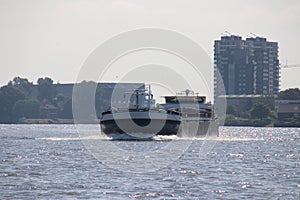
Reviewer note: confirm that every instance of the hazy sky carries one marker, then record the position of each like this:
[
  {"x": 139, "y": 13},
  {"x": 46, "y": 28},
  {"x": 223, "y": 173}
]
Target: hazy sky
[{"x": 54, "y": 37}]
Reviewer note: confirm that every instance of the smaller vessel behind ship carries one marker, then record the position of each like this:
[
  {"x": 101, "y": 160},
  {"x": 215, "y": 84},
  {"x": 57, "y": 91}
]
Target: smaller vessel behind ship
[
  {"x": 197, "y": 116},
  {"x": 140, "y": 119}
]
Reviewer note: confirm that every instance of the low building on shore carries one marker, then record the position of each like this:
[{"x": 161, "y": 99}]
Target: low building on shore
[
  {"x": 107, "y": 95},
  {"x": 287, "y": 109}
]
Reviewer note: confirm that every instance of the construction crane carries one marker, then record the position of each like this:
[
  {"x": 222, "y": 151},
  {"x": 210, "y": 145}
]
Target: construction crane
[
  {"x": 229, "y": 34},
  {"x": 253, "y": 34},
  {"x": 283, "y": 66}
]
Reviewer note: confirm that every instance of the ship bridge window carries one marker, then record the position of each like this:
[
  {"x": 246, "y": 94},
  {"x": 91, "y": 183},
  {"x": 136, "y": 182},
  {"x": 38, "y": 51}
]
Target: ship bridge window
[
  {"x": 201, "y": 100},
  {"x": 185, "y": 99},
  {"x": 171, "y": 100}
]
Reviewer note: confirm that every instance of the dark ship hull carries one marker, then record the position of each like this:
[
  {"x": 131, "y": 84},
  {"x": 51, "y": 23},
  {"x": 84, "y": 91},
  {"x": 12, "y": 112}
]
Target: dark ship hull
[{"x": 140, "y": 124}]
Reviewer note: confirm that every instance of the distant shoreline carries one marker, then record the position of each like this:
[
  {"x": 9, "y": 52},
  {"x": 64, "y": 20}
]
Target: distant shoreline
[
  {"x": 71, "y": 121},
  {"x": 51, "y": 121},
  {"x": 46, "y": 121}
]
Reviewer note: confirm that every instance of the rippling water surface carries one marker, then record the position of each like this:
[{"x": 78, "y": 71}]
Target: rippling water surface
[{"x": 51, "y": 162}]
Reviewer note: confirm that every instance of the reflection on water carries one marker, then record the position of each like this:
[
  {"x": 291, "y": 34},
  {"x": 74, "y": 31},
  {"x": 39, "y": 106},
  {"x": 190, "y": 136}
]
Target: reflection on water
[{"x": 49, "y": 161}]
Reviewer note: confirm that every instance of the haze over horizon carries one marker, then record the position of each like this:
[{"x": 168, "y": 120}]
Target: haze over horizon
[{"x": 54, "y": 38}]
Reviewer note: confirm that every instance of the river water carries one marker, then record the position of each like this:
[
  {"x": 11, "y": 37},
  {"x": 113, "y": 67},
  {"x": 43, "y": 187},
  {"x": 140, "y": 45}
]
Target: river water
[{"x": 53, "y": 162}]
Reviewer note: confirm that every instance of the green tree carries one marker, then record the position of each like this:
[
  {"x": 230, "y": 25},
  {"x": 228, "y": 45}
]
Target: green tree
[
  {"x": 46, "y": 89},
  {"x": 28, "y": 108},
  {"x": 21, "y": 83},
  {"x": 66, "y": 112},
  {"x": 8, "y": 97},
  {"x": 99, "y": 100},
  {"x": 245, "y": 115},
  {"x": 248, "y": 105},
  {"x": 59, "y": 101},
  {"x": 290, "y": 94},
  {"x": 232, "y": 110},
  {"x": 260, "y": 111},
  {"x": 268, "y": 100}
]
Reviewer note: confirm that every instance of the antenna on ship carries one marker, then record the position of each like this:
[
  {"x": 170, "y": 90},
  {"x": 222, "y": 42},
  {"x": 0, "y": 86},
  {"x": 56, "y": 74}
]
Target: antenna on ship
[
  {"x": 187, "y": 91},
  {"x": 149, "y": 89}
]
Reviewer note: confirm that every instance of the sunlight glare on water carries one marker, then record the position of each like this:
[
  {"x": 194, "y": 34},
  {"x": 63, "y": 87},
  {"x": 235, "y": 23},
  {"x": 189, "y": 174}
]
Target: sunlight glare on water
[{"x": 50, "y": 162}]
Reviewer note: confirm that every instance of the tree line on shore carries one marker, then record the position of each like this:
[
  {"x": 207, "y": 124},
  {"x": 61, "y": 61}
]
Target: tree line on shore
[
  {"x": 17, "y": 101},
  {"x": 262, "y": 112}
]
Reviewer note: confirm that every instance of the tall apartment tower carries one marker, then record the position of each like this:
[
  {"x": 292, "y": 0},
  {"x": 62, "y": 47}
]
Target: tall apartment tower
[{"x": 248, "y": 66}]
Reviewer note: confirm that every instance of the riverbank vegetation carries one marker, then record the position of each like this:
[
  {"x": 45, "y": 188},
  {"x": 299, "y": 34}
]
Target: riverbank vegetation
[
  {"x": 23, "y": 102},
  {"x": 264, "y": 112}
]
